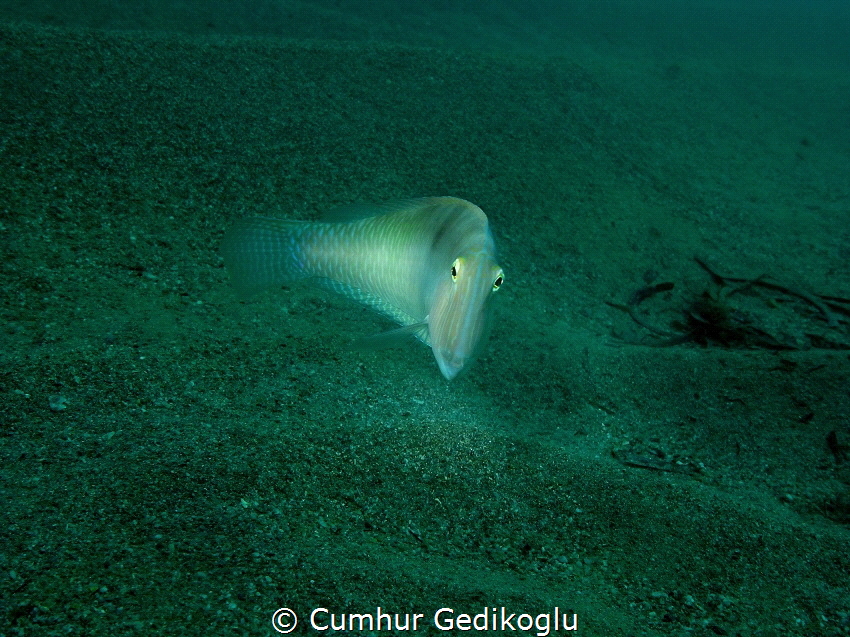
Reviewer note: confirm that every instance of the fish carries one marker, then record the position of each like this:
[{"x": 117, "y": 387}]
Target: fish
[{"x": 428, "y": 264}]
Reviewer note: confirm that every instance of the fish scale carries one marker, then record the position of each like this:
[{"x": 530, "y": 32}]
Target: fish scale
[{"x": 428, "y": 264}]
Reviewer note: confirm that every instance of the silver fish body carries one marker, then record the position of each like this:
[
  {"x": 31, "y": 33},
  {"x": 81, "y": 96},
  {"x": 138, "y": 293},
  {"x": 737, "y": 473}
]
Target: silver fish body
[{"x": 429, "y": 264}]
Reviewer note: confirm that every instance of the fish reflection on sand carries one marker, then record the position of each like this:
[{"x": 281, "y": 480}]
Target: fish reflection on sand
[{"x": 429, "y": 264}]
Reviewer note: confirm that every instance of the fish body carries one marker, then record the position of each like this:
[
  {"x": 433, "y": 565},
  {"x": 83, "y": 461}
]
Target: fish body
[{"x": 429, "y": 264}]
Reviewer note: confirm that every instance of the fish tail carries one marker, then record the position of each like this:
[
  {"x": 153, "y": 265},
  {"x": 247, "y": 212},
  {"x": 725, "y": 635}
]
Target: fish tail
[{"x": 260, "y": 252}]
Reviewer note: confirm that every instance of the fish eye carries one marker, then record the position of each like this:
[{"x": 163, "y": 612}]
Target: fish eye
[
  {"x": 454, "y": 269},
  {"x": 498, "y": 282}
]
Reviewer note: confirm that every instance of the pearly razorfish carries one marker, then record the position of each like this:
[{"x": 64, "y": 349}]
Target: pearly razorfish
[{"x": 428, "y": 264}]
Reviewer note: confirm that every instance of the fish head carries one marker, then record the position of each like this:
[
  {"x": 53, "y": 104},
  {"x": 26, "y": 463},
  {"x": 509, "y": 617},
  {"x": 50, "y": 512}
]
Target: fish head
[{"x": 459, "y": 317}]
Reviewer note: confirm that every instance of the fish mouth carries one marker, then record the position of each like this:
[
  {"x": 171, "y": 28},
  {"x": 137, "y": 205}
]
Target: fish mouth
[{"x": 451, "y": 366}]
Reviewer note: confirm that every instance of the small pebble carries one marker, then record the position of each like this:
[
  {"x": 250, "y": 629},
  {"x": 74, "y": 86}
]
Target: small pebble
[{"x": 58, "y": 402}]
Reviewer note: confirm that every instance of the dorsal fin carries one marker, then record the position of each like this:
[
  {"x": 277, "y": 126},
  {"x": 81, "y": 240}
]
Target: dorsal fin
[{"x": 358, "y": 211}]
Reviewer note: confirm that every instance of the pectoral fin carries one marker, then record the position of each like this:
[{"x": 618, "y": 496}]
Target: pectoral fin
[{"x": 394, "y": 338}]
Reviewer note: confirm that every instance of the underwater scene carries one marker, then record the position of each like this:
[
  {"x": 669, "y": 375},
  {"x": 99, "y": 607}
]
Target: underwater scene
[{"x": 325, "y": 317}]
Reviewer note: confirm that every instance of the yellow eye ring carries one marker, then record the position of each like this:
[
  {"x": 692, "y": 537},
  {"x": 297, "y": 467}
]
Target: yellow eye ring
[{"x": 498, "y": 282}]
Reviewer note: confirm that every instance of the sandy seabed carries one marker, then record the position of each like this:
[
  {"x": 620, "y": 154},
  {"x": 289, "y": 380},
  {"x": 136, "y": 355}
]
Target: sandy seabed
[{"x": 178, "y": 461}]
